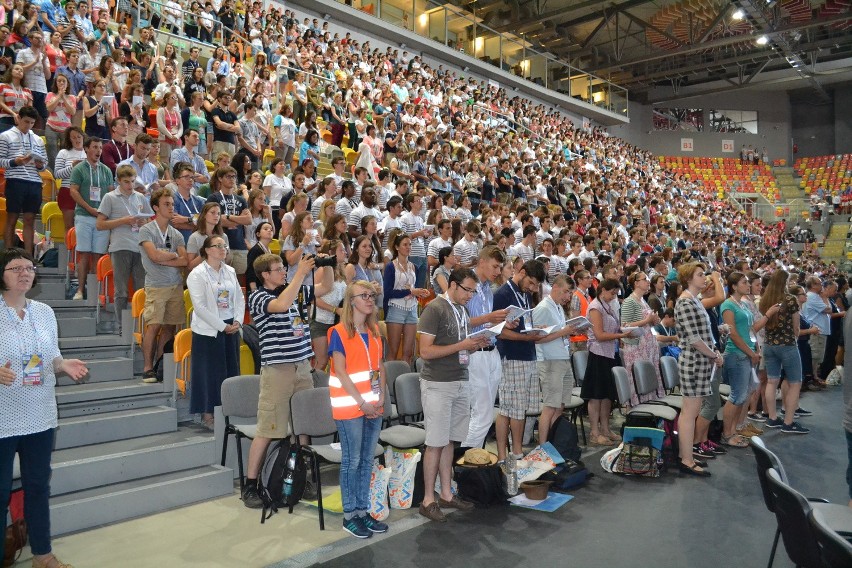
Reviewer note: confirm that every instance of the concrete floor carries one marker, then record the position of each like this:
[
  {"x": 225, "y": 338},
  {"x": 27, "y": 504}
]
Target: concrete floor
[{"x": 612, "y": 521}]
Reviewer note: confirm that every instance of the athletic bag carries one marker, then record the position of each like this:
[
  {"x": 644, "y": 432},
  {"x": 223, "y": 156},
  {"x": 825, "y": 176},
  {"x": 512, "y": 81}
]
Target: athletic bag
[
  {"x": 283, "y": 477},
  {"x": 563, "y": 436}
]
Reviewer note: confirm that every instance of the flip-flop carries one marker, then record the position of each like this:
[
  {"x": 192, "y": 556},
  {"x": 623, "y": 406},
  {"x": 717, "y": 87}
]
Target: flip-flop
[{"x": 735, "y": 441}]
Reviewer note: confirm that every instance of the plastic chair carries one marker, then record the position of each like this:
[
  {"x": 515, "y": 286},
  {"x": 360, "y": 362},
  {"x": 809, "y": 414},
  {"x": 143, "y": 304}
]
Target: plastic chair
[
  {"x": 275, "y": 246},
  {"x": 246, "y": 359},
  {"x": 53, "y": 221},
  {"x": 71, "y": 245},
  {"x": 48, "y": 186},
  {"x": 408, "y": 402},
  {"x": 310, "y": 412},
  {"x": 239, "y": 400},
  {"x": 622, "y": 386},
  {"x": 400, "y": 435},
  {"x": 182, "y": 350},
  {"x": 645, "y": 379},
  {"x": 835, "y": 548},
  {"x": 137, "y": 310},
  {"x": 106, "y": 284},
  {"x": 394, "y": 369},
  {"x": 671, "y": 381},
  {"x": 210, "y": 165},
  {"x": 791, "y": 511},
  {"x": 187, "y": 307}
]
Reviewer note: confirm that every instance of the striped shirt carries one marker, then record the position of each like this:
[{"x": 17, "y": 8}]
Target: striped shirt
[
  {"x": 14, "y": 143},
  {"x": 467, "y": 251},
  {"x": 278, "y": 340},
  {"x": 411, "y": 224}
]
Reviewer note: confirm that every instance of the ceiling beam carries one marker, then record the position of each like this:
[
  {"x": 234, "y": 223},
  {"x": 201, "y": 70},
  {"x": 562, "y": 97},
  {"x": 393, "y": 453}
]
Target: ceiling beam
[
  {"x": 562, "y": 13},
  {"x": 651, "y": 26},
  {"x": 712, "y": 26},
  {"x": 604, "y": 21},
  {"x": 725, "y": 41}
]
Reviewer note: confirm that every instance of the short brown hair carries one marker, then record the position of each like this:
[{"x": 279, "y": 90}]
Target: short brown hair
[{"x": 263, "y": 262}]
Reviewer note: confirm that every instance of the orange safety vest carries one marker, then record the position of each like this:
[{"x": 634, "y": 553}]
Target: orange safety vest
[
  {"x": 584, "y": 309},
  {"x": 358, "y": 367}
]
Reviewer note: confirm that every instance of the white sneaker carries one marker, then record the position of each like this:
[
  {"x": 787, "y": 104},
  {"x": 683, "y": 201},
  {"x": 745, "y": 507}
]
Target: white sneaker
[{"x": 78, "y": 295}]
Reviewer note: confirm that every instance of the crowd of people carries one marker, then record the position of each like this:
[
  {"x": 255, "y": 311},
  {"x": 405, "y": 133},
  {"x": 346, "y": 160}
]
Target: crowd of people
[{"x": 467, "y": 208}]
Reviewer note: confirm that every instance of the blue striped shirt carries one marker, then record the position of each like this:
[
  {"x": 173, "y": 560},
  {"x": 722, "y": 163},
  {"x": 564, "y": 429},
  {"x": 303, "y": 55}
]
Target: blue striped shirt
[
  {"x": 13, "y": 144},
  {"x": 278, "y": 341}
]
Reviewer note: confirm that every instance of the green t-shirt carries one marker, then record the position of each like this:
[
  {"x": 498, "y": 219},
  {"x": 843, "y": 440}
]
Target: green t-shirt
[
  {"x": 82, "y": 176},
  {"x": 743, "y": 320}
]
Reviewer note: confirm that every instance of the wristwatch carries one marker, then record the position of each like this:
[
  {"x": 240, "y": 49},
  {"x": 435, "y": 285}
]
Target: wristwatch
[{"x": 228, "y": 217}]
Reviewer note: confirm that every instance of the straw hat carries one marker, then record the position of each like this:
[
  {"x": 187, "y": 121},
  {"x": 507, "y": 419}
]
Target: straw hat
[{"x": 477, "y": 457}]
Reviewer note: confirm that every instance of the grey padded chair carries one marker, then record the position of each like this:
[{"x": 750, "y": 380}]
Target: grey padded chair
[
  {"x": 239, "y": 400},
  {"x": 645, "y": 379},
  {"x": 622, "y": 386},
  {"x": 320, "y": 379},
  {"x": 394, "y": 369},
  {"x": 408, "y": 403},
  {"x": 418, "y": 364},
  {"x": 835, "y": 548},
  {"x": 671, "y": 381},
  {"x": 579, "y": 362},
  {"x": 310, "y": 414},
  {"x": 400, "y": 435}
]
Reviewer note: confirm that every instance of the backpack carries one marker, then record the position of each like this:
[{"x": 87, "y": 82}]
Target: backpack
[
  {"x": 482, "y": 486},
  {"x": 252, "y": 339},
  {"x": 567, "y": 475},
  {"x": 563, "y": 436},
  {"x": 283, "y": 477}
]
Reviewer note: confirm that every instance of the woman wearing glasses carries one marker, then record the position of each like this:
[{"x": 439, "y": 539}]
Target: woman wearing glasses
[
  {"x": 637, "y": 314},
  {"x": 218, "y": 307},
  {"x": 357, "y": 390},
  {"x": 29, "y": 362}
]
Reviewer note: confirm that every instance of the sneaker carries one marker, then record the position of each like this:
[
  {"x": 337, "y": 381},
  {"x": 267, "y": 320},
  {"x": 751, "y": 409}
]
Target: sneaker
[
  {"x": 355, "y": 527},
  {"x": 758, "y": 417},
  {"x": 149, "y": 377},
  {"x": 777, "y": 423},
  {"x": 794, "y": 428},
  {"x": 715, "y": 448},
  {"x": 250, "y": 497},
  {"x": 432, "y": 512},
  {"x": 373, "y": 525},
  {"x": 701, "y": 451},
  {"x": 802, "y": 412},
  {"x": 78, "y": 295}
]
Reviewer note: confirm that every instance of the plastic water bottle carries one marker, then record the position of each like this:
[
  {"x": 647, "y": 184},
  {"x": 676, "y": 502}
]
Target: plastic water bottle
[
  {"x": 287, "y": 489},
  {"x": 511, "y": 474}
]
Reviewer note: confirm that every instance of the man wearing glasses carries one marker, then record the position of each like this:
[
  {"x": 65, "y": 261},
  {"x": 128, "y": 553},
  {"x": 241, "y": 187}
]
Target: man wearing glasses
[
  {"x": 445, "y": 348},
  {"x": 187, "y": 205}
]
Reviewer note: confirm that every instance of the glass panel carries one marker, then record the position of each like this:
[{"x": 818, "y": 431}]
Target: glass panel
[
  {"x": 437, "y": 30},
  {"x": 537, "y": 69},
  {"x": 513, "y": 55},
  {"x": 460, "y": 30},
  {"x": 619, "y": 100},
  {"x": 490, "y": 50},
  {"x": 741, "y": 121},
  {"x": 581, "y": 87},
  {"x": 397, "y": 12}
]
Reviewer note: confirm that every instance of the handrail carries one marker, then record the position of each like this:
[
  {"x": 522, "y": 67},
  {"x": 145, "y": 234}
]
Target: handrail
[
  {"x": 320, "y": 77},
  {"x": 515, "y": 122}
]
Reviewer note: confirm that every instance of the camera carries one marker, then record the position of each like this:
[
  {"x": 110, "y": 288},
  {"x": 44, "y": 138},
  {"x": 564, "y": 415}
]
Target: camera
[{"x": 320, "y": 262}]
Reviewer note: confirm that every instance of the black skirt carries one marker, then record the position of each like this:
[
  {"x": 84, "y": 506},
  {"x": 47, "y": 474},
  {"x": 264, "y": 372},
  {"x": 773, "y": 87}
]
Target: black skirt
[
  {"x": 214, "y": 359},
  {"x": 598, "y": 383}
]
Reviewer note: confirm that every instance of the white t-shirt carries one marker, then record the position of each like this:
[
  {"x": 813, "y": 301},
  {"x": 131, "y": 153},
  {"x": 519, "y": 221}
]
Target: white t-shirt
[{"x": 279, "y": 186}]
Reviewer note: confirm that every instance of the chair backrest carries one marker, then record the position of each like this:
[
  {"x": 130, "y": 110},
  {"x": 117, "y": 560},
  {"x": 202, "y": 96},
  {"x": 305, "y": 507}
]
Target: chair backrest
[
  {"x": 183, "y": 344},
  {"x": 320, "y": 379},
  {"x": 310, "y": 412},
  {"x": 394, "y": 369},
  {"x": 418, "y": 364},
  {"x": 670, "y": 372},
  {"x": 766, "y": 459},
  {"x": 407, "y": 389},
  {"x": 239, "y": 396},
  {"x": 579, "y": 361},
  {"x": 644, "y": 377},
  {"x": 182, "y": 350},
  {"x": 137, "y": 303},
  {"x": 622, "y": 384},
  {"x": 246, "y": 359},
  {"x": 55, "y": 224},
  {"x": 834, "y": 547},
  {"x": 104, "y": 266},
  {"x": 791, "y": 511}
]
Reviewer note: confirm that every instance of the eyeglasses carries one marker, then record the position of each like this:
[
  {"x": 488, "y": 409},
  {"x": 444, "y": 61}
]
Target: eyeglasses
[
  {"x": 468, "y": 290},
  {"x": 279, "y": 269},
  {"x": 366, "y": 296},
  {"x": 230, "y": 176},
  {"x": 223, "y": 247},
  {"x": 22, "y": 269}
]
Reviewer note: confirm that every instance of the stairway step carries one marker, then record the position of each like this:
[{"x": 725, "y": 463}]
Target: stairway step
[
  {"x": 154, "y": 398},
  {"x": 100, "y": 370},
  {"x": 104, "y": 340},
  {"x": 121, "y": 501},
  {"x": 77, "y": 327},
  {"x": 118, "y": 425},
  {"x": 124, "y": 460},
  {"x": 87, "y": 392},
  {"x": 48, "y": 290}
]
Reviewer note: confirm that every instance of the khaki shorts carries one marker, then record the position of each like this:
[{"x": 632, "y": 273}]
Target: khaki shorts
[
  {"x": 446, "y": 409},
  {"x": 277, "y": 385},
  {"x": 557, "y": 382},
  {"x": 164, "y": 306},
  {"x": 239, "y": 261}
]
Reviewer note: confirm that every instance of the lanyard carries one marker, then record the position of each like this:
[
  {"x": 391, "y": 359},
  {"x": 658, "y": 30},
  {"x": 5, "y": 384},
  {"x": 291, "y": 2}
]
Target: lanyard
[
  {"x": 521, "y": 298},
  {"x": 163, "y": 235},
  {"x": 92, "y": 172},
  {"x": 118, "y": 151},
  {"x": 363, "y": 271},
  {"x": 461, "y": 318},
  {"x": 194, "y": 208},
  {"x": 28, "y": 145},
  {"x": 17, "y": 321},
  {"x": 367, "y": 349},
  {"x": 557, "y": 310},
  {"x": 125, "y": 200},
  {"x": 210, "y": 273},
  {"x": 486, "y": 305}
]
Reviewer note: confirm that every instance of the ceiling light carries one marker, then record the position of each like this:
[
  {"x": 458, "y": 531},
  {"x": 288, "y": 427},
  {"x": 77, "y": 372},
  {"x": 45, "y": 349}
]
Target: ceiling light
[
  {"x": 738, "y": 15},
  {"x": 762, "y": 40}
]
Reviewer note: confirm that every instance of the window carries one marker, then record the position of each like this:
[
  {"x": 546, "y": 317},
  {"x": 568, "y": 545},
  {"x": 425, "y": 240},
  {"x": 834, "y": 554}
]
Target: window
[
  {"x": 681, "y": 119},
  {"x": 743, "y": 121}
]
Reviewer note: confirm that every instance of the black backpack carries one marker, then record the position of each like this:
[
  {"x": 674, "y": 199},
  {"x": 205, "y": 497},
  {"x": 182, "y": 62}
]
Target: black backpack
[
  {"x": 252, "y": 340},
  {"x": 283, "y": 477},
  {"x": 563, "y": 436},
  {"x": 482, "y": 486}
]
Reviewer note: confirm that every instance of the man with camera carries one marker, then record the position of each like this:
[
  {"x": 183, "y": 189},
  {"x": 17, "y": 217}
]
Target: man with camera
[{"x": 280, "y": 312}]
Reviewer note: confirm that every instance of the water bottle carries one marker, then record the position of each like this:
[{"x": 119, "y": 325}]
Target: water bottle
[
  {"x": 510, "y": 472},
  {"x": 287, "y": 489}
]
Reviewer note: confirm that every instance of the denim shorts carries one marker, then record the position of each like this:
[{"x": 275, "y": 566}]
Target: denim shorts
[
  {"x": 398, "y": 315},
  {"x": 737, "y": 372},
  {"x": 786, "y": 357}
]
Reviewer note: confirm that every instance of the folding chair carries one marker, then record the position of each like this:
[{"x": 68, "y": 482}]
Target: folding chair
[
  {"x": 137, "y": 309},
  {"x": 106, "y": 285},
  {"x": 408, "y": 403},
  {"x": 310, "y": 414},
  {"x": 182, "y": 351},
  {"x": 835, "y": 547},
  {"x": 671, "y": 381},
  {"x": 239, "y": 400},
  {"x": 400, "y": 435},
  {"x": 71, "y": 265}
]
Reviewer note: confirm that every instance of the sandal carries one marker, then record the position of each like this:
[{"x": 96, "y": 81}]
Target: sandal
[
  {"x": 601, "y": 440},
  {"x": 613, "y": 436},
  {"x": 50, "y": 562},
  {"x": 735, "y": 441}
]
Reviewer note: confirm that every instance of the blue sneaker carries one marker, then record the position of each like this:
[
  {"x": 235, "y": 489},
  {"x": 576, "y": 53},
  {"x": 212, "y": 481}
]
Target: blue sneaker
[
  {"x": 802, "y": 412},
  {"x": 355, "y": 527},
  {"x": 794, "y": 428},
  {"x": 777, "y": 423},
  {"x": 373, "y": 525}
]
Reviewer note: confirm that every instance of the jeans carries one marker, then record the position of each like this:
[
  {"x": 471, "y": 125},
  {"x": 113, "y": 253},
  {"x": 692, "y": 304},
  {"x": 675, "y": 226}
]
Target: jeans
[
  {"x": 786, "y": 357},
  {"x": 358, "y": 438},
  {"x": 737, "y": 373},
  {"x": 34, "y": 451},
  {"x": 421, "y": 270}
]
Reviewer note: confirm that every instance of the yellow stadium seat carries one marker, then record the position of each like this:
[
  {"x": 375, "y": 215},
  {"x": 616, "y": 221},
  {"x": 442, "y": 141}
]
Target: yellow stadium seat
[{"x": 183, "y": 348}]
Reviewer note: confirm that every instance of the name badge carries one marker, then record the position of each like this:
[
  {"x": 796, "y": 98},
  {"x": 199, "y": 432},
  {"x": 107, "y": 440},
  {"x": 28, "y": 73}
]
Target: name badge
[
  {"x": 464, "y": 357},
  {"x": 101, "y": 119},
  {"x": 298, "y": 327},
  {"x": 375, "y": 382},
  {"x": 32, "y": 366},
  {"x": 223, "y": 298},
  {"x": 94, "y": 193}
]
